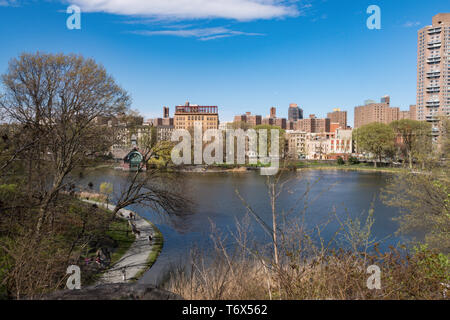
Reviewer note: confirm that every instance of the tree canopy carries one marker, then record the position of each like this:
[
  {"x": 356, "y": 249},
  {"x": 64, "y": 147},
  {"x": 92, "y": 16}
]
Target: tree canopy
[{"x": 375, "y": 138}]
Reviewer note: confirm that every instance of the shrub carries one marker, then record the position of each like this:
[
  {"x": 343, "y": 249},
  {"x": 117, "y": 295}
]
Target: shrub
[{"x": 353, "y": 160}]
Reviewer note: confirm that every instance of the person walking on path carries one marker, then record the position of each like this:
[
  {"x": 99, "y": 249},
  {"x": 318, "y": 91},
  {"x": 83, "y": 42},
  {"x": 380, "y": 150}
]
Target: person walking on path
[{"x": 124, "y": 274}]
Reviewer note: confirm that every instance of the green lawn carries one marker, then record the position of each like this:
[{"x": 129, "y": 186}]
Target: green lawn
[
  {"x": 334, "y": 166},
  {"x": 120, "y": 232}
]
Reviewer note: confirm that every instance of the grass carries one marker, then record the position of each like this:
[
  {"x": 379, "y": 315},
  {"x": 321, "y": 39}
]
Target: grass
[
  {"x": 350, "y": 167},
  {"x": 120, "y": 232}
]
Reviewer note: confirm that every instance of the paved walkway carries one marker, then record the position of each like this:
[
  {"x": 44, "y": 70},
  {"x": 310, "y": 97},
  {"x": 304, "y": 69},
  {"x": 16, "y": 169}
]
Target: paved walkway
[{"x": 135, "y": 259}]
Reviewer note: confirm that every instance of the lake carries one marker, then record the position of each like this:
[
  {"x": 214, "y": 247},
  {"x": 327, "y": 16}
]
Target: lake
[{"x": 348, "y": 193}]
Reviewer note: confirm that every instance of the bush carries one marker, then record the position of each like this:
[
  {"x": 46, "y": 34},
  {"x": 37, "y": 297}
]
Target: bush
[
  {"x": 340, "y": 161},
  {"x": 353, "y": 160}
]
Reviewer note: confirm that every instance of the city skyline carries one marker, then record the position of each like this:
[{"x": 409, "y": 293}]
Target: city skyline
[{"x": 293, "y": 54}]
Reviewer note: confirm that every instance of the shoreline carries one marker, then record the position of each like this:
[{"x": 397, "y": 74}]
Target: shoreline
[
  {"x": 203, "y": 169},
  {"x": 343, "y": 168},
  {"x": 157, "y": 246},
  {"x": 306, "y": 168}
]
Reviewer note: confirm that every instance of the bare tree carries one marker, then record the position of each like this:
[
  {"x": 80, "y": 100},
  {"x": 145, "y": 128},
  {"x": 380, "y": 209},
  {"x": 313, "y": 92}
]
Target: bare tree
[
  {"x": 56, "y": 98},
  {"x": 152, "y": 188}
]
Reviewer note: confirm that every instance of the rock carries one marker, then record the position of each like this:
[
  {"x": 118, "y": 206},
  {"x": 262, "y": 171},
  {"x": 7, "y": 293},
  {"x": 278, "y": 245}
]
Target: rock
[{"x": 116, "y": 291}]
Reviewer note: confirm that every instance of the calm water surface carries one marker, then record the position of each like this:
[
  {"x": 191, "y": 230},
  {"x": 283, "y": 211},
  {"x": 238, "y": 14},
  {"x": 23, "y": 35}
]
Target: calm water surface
[{"x": 215, "y": 201}]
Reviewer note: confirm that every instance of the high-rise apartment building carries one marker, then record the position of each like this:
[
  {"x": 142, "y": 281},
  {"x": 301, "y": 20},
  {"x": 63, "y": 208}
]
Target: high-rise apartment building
[
  {"x": 338, "y": 116},
  {"x": 249, "y": 118},
  {"x": 433, "y": 71},
  {"x": 411, "y": 114},
  {"x": 313, "y": 125},
  {"x": 273, "y": 112},
  {"x": 166, "y": 112},
  {"x": 294, "y": 112},
  {"x": 272, "y": 120},
  {"x": 186, "y": 116},
  {"x": 165, "y": 121},
  {"x": 376, "y": 112}
]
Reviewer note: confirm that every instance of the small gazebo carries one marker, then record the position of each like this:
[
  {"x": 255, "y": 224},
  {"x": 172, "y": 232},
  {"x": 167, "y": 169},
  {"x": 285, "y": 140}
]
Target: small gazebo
[{"x": 133, "y": 161}]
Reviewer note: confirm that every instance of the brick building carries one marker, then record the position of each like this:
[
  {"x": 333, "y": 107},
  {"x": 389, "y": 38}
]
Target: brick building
[{"x": 338, "y": 116}]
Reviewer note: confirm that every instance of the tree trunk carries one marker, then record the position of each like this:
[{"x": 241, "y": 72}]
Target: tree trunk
[
  {"x": 46, "y": 201},
  {"x": 410, "y": 160},
  {"x": 274, "y": 224}
]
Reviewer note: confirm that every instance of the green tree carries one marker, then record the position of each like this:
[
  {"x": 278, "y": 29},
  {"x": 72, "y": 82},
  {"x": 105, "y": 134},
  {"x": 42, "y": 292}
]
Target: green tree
[
  {"x": 281, "y": 133},
  {"x": 375, "y": 138},
  {"x": 424, "y": 201},
  {"x": 161, "y": 156},
  {"x": 415, "y": 138},
  {"x": 445, "y": 138},
  {"x": 107, "y": 189}
]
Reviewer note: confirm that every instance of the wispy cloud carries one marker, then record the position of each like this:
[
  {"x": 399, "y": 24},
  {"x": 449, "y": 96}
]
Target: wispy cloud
[
  {"x": 7, "y": 3},
  {"x": 411, "y": 24},
  {"x": 242, "y": 10},
  {"x": 203, "y": 34}
]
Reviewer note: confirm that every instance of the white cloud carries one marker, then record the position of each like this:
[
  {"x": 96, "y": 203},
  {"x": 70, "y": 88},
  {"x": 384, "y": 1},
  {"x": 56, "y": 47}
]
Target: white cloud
[
  {"x": 242, "y": 10},
  {"x": 203, "y": 34},
  {"x": 410, "y": 24}
]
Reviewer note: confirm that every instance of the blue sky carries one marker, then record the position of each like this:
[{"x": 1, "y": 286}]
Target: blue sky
[{"x": 242, "y": 55}]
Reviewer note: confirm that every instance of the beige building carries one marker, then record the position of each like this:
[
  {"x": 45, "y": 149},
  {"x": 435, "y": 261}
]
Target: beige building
[
  {"x": 433, "y": 71},
  {"x": 187, "y": 115},
  {"x": 338, "y": 116},
  {"x": 296, "y": 144},
  {"x": 317, "y": 146},
  {"x": 342, "y": 142},
  {"x": 164, "y": 133}
]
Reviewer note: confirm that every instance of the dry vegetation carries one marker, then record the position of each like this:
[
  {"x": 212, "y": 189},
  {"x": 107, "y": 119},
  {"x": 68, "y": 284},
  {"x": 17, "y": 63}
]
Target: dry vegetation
[
  {"x": 244, "y": 273},
  {"x": 297, "y": 263}
]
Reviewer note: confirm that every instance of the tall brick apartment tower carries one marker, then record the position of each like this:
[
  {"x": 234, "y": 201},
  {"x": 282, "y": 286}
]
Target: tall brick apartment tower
[
  {"x": 433, "y": 71},
  {"x": 338, "y": 116}
]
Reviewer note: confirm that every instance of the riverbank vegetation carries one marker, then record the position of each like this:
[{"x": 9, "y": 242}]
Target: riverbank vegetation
[
  {"x": 49, "y": 107},
  {"x": 74, "y": 237},
  {"x": 297, "y": 263},
  {"x": 307, "y": 267},
  {"x": 408, "y": 141}
]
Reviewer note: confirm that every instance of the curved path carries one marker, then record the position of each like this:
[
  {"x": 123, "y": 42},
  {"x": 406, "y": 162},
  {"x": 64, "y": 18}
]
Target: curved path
[{"x": 136, "y": 260}]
